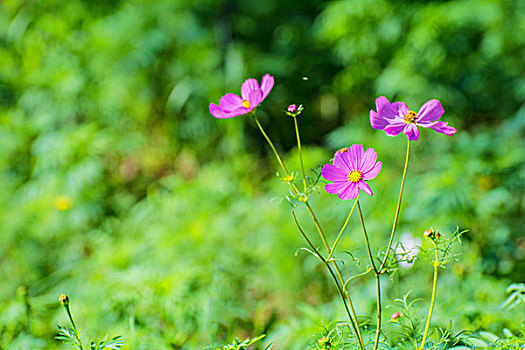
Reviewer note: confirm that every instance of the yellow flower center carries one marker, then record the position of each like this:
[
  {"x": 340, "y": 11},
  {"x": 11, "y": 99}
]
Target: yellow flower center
[
  {"x": 343, "y": 150},
  {"x": 410, "y": 117},
  {"x": 355, "y": 176},
  {"x": 246, "y": 103}
]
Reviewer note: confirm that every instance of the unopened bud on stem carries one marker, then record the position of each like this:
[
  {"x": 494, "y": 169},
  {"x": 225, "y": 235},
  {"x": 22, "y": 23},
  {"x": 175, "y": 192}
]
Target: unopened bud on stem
[
  {"x": 63, "y": 300},
  {"x": 395, "y": 316},
  {"x": 294, "y": 110},
  {"x": 429, "y": 232}
]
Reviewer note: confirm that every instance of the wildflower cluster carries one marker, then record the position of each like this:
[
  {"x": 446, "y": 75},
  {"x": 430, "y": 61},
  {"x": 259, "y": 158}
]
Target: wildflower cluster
[{"x": 347, "y": 175}]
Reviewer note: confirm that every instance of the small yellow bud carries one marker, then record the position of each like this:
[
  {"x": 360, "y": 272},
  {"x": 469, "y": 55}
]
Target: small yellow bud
[
  {"x": 288, "y": 178},
  {"x": 63, "y": 300},
  {"x": 429, "y": 232}
]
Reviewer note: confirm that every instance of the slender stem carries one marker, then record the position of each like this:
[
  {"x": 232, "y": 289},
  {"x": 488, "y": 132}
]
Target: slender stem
[
  {"x": 300, "y": 153},
  {"x": 397, "y": 210},
  {"x": 366, "y": 239},
  {"x": 377, "y": 275},
  {"x": 378, "y": 329},
  {"x": 342, "y": 229},
  {"x": 70, "y": 317},
  {"x": 323, "y": 238},
  {"x": 318, "y": 226},
  {"x": 314, "y": 249},
  {"x": 271, "y": 145},
  {"x": 68, "y": 311},
  {"x": 433, "y": 299},
  {"x": 293, "y": 188}
]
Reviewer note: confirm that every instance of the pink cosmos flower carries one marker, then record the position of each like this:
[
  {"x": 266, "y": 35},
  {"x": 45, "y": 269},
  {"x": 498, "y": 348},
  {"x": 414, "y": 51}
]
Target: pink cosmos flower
[
  {"x": 352, "y": 166},
  {"x": 396, "y": 117},
  {"x": 232, "y": 105}
]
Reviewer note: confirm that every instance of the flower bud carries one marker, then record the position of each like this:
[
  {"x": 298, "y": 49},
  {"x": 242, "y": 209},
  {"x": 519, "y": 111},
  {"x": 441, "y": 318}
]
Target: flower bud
[
  {"x": 324, "y": 341},
  {"x": 438, "y": 235},
  {"x": 63, "y": 300},
  {"x": 288, "y": 178},
  {"x": 429, "y": 233},
  {"x": 395, "y": 316},
  {"x": 294, "y": 110}
]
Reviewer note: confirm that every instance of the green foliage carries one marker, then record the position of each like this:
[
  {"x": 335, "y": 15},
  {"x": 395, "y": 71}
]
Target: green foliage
[
  {"x": 516, "y": 297},
  {"x": 487, "y": 340},
  {"x": 114, "y": 185},
  {"x": 113, "y": 343},
  {"x": 242, "y": 345},
  {"x": 69, "y": 336}
]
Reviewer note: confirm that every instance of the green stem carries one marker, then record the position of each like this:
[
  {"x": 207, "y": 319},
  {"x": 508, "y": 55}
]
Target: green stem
[
  {"x": 433, "y": 299},
  {"x": 378, "y": 329},
  {"x": 339, "y": 289},
  {"x": 68, "y": 311},
  {"x": 323, "y": 238},
  {"x": 397, "y": 210},
  {"x": 271, "y": 145},
  {"x": 293, "y": 188},
  {"x": 377, "y": 275},
  {"x": 342, "y": 229},
  {"x": 366, "y": 239},
  {"x": 300, "y": 153}
]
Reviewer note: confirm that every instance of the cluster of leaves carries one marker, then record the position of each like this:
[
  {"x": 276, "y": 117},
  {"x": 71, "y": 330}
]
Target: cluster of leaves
[
  {"x": 70, "y": 336},
  {"x": 487, "y": 340},
  {"x": 242, "y": 345},
  {"x": 516, "y": 297},
  {"x": 339, "y": 338}
]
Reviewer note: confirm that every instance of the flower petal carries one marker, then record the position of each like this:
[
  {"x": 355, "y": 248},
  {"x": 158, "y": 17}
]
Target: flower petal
[
  {"x": 247, "y": 87},
  {"x": 336, "y": 187},
  {"x": 378, "y": 122},
  {"x": 355, "y": 155},
  {"x": 255, "y": 98},
  {"x": 333, "y": 173},
  {"x": 385, "y": 113},
  {"x": 350, "y": 192},
  {"x": 382, "y": 103},
  {"x": 372, "y": 173},
  {"x": 395, "y": 129},
  {"x": 401, "y": 108},
  {"x": 368, "y": 161},
  {"x": 230, "y": 102},
  {"x": 412, "y": 132},
  {"x": 342, "y": 162},
  {"x": 218, "y": 112},
  {"x": 266, "y": 85},
  {"x": 364, "y": 186},
  {"x": 430, "y": 111},
  {"x": 443, "y": 128}
]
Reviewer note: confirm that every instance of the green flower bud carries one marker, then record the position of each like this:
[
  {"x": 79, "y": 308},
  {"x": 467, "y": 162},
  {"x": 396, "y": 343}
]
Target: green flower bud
[{"x": 63, "y": 300}]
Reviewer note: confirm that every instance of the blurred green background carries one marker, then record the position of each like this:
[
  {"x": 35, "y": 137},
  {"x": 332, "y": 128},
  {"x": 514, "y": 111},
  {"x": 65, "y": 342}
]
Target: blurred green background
[{"x": 168, "y": 226}]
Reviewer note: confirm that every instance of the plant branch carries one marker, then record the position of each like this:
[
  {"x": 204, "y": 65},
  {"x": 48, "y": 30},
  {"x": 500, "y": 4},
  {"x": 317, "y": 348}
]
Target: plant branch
[
  {"x": 397, "y": 210},
  {"x": 342, "y": 229},
  {"x": 433, "y": 299}
]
